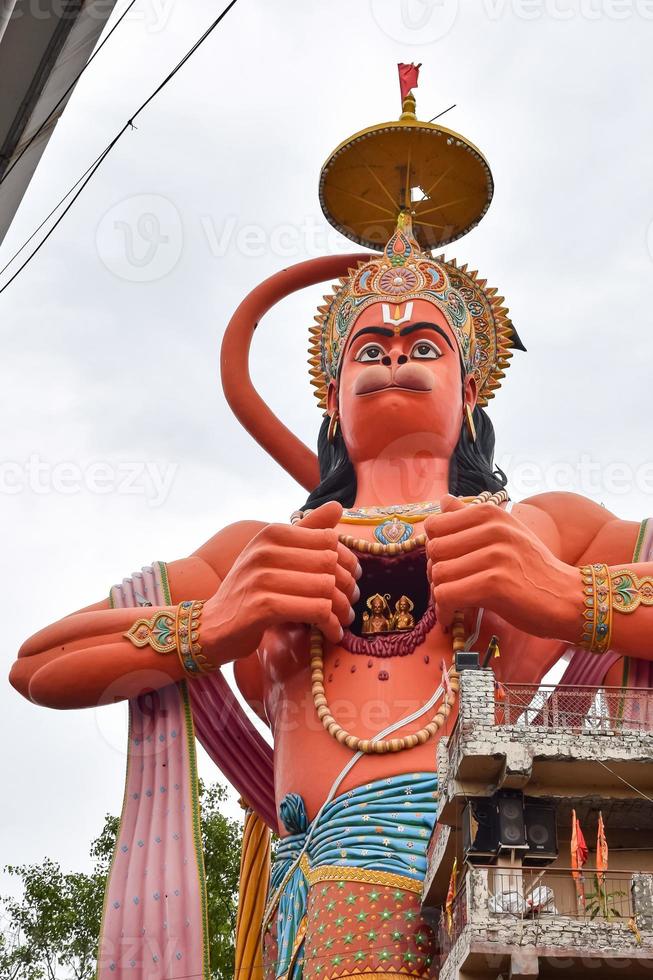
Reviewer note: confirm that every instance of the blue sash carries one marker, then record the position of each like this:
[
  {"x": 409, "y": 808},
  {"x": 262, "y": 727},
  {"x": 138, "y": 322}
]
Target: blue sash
[{"x": 380, "y": 826}]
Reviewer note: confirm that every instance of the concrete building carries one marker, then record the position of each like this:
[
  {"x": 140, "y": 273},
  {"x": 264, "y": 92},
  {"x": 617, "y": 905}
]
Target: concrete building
[
  {"x": 533, "y": 755},
  {"x": 44, "y": 44}
]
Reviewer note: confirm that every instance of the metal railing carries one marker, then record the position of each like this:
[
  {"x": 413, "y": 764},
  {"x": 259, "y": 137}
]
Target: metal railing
[
  {"x": 531, "y": 893},
  {"x": 541, "y": 895},
  {"x": 577, "y": 708},
  {"x": 450, "y": 928}
]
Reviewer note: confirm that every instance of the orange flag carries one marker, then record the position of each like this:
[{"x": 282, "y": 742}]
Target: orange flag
[
  {"x": 601, "y": 863},
  {"x": 451, "y": 894},
  {"x": 601, "y": 850},
  {"x": 579, "y": 855}
]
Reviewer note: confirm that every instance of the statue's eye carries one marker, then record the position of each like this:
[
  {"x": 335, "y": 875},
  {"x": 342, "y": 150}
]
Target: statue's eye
[
  {"x": 425, "y": 350},
  {"x": 369, "y": 353}
]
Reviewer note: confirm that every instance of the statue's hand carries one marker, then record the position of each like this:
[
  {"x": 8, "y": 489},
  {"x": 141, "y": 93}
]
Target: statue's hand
[
  {"x": 483, "y": 556},
  {"x": 286, "y": 574}
]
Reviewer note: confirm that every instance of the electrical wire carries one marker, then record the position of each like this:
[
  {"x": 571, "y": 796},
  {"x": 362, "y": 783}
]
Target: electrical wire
[
  {"x": 65, "y": 95},
  {"x": 47, "y": 217},
  {"x": 625, "y": 781},
  {"x": 82, "y": 181}
]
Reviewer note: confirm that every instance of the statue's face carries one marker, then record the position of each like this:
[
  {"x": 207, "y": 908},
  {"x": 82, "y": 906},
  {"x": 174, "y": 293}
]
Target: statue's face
[
  {"x": 403, "y": 605},
  {"x": 401, "y": 389},
  {"x": 377, "y": 606}
]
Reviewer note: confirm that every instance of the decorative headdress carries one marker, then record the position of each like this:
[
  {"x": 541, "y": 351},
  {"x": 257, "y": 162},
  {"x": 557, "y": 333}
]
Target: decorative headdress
[
  {"x": 403, "y": 272},
  {"x": 384, "y": 599}
]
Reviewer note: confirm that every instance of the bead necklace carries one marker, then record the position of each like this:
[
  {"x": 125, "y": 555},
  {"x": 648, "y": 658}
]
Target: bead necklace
[
  {"x": 401, "y": 547},
  {"x": 449, "y": 686}
]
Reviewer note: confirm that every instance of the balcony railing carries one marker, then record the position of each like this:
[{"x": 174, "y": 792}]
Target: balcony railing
[
  {"x": 450, "y": 928},
  {"x": 542, "y": 895},
  {"x": 530, "y": 893},
  {"x": 579, "y": 709}
]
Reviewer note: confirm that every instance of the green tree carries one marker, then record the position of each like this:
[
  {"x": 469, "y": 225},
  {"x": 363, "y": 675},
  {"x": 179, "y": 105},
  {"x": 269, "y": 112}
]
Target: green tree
[{"x": 51, "y": 931}]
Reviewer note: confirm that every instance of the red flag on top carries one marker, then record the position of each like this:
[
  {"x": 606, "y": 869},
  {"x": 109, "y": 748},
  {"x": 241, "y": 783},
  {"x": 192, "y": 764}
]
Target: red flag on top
[{"x": 408, "y": 75}]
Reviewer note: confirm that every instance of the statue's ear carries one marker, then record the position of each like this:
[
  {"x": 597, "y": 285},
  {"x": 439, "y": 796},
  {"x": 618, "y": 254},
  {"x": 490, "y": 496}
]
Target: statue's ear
[
  {"x": 332, "y": 398},
  {"x": 470, "y": 391}
]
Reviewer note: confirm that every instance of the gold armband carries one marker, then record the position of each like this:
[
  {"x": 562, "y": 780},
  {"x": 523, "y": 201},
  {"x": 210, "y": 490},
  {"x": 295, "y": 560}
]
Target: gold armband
[
  {"x": 629, "y": 591},
  {"x": 174, "y": 632},
  {"x": 597, "y": 607}
]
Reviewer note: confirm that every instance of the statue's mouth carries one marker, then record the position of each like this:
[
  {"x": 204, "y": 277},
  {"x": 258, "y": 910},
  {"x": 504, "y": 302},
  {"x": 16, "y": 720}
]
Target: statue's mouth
[
  {"x": 407, "y": 377},
  {"x": 392, "y": 387}
]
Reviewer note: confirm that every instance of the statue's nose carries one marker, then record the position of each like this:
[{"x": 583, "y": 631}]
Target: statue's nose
[{"x": 387, "y": 360}]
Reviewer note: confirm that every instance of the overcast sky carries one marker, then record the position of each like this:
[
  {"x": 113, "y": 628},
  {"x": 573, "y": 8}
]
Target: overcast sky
[{"x": 110, "y": 338}]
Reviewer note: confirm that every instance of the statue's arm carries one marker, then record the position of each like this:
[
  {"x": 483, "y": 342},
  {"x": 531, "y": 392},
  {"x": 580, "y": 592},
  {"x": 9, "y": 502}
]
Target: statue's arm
[
  {"x": 250, "y": 575},
  {"x": 526, "y": 567},
  {"x": 610, "y": 543},
  {"x": 84, "y": 659}
]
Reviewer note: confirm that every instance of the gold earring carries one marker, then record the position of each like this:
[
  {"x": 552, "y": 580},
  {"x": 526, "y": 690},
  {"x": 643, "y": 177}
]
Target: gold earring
[
  {"x": 332, "y": 431},
  {"x": 469, "y": 422}
]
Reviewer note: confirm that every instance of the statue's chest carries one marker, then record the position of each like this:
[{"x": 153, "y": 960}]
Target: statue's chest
[{"x": 390, "y": 654}]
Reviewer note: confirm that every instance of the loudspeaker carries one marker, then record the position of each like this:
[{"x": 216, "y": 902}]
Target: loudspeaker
[
  {"x": 480, "y": 839},
  {"x": 467, "y": 660},
  {"x": 512, "y": 826},
  {"x": 541, "y": 834}
]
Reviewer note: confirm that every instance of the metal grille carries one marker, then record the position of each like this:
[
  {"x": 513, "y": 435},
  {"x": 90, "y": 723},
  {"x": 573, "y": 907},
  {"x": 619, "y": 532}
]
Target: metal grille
[
  {"x": 590, "y": 709},
  {"x": 530, "y": 894},
  {"x": 448, "y": 932}
]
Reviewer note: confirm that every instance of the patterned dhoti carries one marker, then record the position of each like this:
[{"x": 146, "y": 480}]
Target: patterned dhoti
[{"x": 351, "y": 906}]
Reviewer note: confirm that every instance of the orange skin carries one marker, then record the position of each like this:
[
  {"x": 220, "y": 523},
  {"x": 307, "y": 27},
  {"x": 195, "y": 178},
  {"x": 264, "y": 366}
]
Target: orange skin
[{"x": 401, "y": 411}]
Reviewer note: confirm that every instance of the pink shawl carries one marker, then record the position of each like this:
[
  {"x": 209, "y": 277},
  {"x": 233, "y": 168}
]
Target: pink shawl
[{"x": 154, "y": 923}]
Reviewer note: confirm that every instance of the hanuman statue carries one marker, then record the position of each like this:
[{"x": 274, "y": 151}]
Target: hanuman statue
[{"x": 405, "y": 353}]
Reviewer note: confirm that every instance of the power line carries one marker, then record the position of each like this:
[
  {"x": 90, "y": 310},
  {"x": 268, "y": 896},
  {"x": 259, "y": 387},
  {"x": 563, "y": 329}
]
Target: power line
[
  {"x": 65, "y": 95},
  {"x": 82, "y": 181},
  {"x": 47, "y": 217},
  {"x": 625, "y": 781}
]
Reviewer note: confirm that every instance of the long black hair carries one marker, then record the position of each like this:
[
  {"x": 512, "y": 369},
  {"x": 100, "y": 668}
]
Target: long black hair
[{"x": 471, "y": 469}]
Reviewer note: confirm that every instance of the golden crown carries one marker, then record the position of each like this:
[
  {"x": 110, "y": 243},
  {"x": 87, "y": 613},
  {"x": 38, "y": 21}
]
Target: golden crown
[{"x": 403, "y": 272}]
